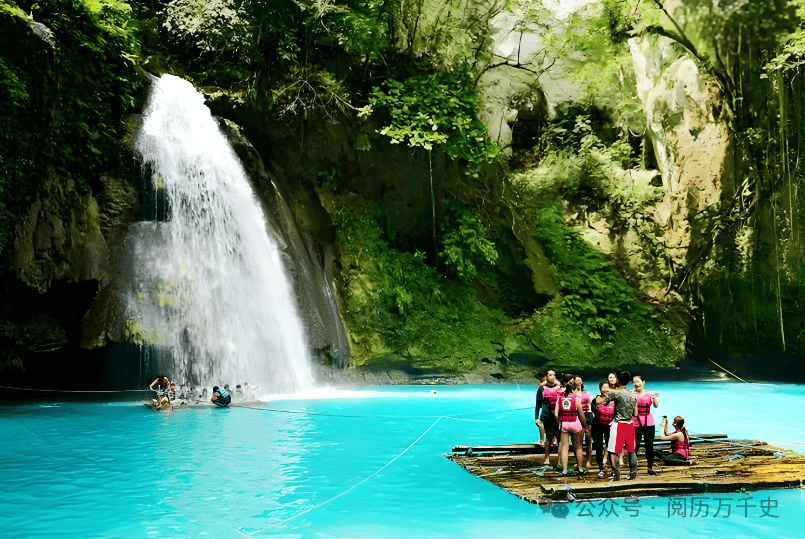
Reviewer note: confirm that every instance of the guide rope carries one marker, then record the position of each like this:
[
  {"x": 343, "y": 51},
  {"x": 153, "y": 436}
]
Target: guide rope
[
  {"x": 457, "y": 417},
  {"x": 353, "y": 487},
  {"x": 76, "y": 390},
  {"x": 728, "y": 372}
]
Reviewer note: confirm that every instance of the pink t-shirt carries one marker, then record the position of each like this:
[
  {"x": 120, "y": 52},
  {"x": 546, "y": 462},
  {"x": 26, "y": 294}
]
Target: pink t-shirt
[
  {"x": 586, "y": 397},
  {"x": 551, "y": 395},
  {"x": 644, "y": 403}
]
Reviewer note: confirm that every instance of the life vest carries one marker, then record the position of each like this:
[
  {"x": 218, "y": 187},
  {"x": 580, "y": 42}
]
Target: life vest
[
  {"x": 681, "y": 446},
  {"x": 223, "y": 392},
  {"x": 606, "y": 411},
  {"x": 551, "y": 394},
  {"x": 644, "y": 403},
  {"x": 586, "y": 397},
  {"x": 567, "y": 408}
]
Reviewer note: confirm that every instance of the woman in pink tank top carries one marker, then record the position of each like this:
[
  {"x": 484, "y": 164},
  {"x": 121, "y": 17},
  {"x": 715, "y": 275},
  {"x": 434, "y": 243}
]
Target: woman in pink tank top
[
  {"x": 572, "y": 423},
  {"x": 644, "y": 420},
  {"x": 680, "y": 444}
]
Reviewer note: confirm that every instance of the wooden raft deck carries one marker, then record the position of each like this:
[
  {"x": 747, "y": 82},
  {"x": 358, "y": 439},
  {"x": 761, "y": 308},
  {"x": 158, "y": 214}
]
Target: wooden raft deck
[
  {"x": 515, "y": 468},
  {"x": 202, "y": 405}
]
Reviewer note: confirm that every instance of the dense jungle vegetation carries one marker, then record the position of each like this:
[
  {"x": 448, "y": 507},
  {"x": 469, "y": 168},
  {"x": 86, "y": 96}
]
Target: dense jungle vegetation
[{"x": 441, "y": 265}]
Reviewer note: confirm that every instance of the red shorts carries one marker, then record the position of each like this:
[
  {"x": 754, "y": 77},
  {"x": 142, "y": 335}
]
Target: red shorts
[{"x": 620, "y": 435}]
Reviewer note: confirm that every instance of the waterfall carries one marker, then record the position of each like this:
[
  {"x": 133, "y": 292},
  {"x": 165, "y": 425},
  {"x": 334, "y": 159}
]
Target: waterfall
[{"x": 208, "y": 288}]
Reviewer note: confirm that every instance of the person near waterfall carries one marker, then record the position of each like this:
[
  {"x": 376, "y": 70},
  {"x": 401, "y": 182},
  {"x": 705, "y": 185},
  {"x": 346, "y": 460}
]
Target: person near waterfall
[
  {"x": 162, "y": 384},
  {"x": 220, "y": 396}
]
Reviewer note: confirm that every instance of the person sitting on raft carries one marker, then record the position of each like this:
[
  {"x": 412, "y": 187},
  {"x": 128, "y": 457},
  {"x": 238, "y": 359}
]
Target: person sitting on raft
[
  {"x": 573, "y": 423},
  {"x": 220, "y": 396},
  {"x": 680, "y": 444},
  {"x": 644, "y": 420},
  {"x": 162, "y": 384}
]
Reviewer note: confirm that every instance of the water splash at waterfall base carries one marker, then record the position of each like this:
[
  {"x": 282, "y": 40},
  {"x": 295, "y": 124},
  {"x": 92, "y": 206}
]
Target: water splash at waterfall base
[{"x": 208, "y": 289}]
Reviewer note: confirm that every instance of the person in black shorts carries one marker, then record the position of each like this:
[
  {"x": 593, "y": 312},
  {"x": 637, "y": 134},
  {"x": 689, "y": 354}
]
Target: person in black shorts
[{"x": 546, "y": 400}]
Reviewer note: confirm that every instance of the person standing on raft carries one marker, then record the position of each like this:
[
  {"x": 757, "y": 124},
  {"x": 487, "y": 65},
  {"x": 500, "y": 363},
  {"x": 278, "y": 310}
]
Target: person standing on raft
[
  {"x": 644, "y": 420},
  {"x": 569, "y": 412},
  {"x": 220, "y": 396},
  {"x": 621, "y": 433},
  {"x": 547, "y": 421},
  {"x": 589, "y": 416},
  {"x": 538, "y": 407},
  {"x": 604, "y": 412}
]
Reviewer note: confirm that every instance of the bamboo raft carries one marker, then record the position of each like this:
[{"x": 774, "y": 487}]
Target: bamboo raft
[
  {"x": 516, "y": 469},
  {"x": 199, "y": 405}
]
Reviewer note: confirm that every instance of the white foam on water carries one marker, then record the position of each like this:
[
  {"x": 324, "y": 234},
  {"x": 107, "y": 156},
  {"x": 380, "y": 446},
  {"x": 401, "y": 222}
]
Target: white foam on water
[{"x": 209, "y": 284}]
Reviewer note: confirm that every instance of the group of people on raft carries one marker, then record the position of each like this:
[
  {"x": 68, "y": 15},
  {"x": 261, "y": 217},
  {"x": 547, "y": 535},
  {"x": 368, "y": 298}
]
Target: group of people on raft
[
  {"x": 165, "y": 393},
  {"x": 616, "y": 419}
]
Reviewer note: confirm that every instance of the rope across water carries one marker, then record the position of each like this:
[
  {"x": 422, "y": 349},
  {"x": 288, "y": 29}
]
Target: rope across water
[{"x": 353, "y": 487}]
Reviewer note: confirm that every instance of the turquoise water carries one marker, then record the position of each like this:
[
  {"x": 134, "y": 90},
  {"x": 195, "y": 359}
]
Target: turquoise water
[{"x": 116, "y": 469}]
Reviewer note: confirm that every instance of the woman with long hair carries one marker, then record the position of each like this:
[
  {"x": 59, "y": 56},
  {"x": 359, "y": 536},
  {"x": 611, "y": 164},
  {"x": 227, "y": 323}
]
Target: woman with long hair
[
  {"x": 160, "y": 396},
  {"x": 680, "y": 444}
]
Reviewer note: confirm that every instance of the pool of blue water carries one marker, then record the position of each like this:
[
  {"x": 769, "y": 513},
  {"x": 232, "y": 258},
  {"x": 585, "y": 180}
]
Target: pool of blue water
[{"x": 369, "y": 463}]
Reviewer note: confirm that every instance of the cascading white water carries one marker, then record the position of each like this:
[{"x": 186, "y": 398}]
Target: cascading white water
[{"x": 208, "y": 282}]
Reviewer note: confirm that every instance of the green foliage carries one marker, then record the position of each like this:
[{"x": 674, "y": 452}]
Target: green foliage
[
  {"x": 213, "y": 25},
  {"x": 579, "y": 165},
  {"x": 415, "y": 310},
  {"x": 279, "y": 52},
  {"x": 464, "y": 245},
  {"x": 435, "y": 110},
  {"x": 308, "y": 89},
  {"x": 62, "y": 108},
  {"x": 450, "y": 34},
  {"x": 594, "y": 295}
]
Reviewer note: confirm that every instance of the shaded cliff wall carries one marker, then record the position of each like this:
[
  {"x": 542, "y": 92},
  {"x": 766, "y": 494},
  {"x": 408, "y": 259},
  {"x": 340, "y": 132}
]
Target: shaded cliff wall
[{"x": 70, "y": 212}]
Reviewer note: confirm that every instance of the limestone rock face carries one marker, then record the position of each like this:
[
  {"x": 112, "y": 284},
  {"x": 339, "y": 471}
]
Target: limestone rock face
[
  {"x": 119, "y": 204},
  {"x": 653, "y": 240},
  {"x": 507, "y": 89},
  {"x": 690, "y": 139},
  {"x": 60, "y": 239}
]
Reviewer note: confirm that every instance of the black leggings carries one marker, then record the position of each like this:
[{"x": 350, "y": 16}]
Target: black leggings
[
  {"x": 671, "y": 459},
  {"x": 647, "y": 434},
  {"x": 600, "y": 441}
]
